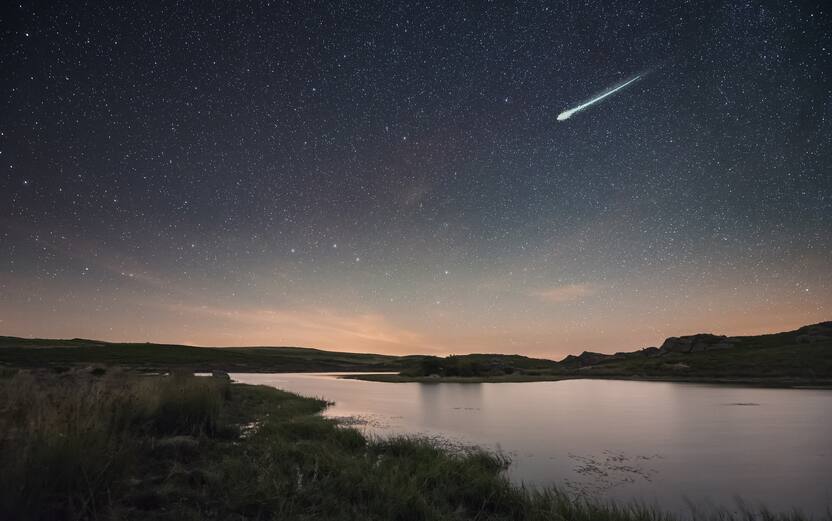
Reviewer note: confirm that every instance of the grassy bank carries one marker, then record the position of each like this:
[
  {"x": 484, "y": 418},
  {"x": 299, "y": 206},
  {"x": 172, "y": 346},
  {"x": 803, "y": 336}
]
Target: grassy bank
[{"x": 111, "y": 445}]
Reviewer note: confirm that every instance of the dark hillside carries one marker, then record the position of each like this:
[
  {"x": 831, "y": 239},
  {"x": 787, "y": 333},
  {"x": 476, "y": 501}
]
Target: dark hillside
[{"x": 20, "y": 352}]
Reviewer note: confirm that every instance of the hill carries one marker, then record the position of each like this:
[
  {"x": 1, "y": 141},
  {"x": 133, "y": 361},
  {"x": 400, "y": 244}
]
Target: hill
[
  {"x": 23, "y": 352},
  {"x": 805, "y": 353},
  {"x": 799, "y": 357}
]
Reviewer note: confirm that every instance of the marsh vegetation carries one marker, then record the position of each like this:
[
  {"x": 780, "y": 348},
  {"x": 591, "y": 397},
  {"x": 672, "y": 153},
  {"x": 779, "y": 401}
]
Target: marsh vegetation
[{"x": 105, "y": 444}]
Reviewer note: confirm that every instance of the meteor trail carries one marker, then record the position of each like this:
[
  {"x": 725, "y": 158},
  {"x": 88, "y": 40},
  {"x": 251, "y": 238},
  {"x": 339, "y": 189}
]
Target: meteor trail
[{"x": 566, "y": 114}]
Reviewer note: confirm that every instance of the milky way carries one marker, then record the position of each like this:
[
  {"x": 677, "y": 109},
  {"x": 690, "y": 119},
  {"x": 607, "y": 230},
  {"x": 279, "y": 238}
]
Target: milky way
[{"x": 389, "y": 177}]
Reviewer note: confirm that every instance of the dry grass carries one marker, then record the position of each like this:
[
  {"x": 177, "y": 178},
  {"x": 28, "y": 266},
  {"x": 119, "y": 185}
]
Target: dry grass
[{"x": 67, "y": 441}]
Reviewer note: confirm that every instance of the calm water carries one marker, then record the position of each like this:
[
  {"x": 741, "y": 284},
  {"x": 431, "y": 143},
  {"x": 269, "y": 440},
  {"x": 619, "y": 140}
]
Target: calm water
[{"x": 649, "y": 441}]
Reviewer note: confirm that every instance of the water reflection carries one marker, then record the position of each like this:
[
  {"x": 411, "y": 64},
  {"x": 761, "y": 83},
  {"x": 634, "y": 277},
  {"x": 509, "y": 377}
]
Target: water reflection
[
  {"x": 438, "y": 402},
  {"x": 656, "y": 442}
]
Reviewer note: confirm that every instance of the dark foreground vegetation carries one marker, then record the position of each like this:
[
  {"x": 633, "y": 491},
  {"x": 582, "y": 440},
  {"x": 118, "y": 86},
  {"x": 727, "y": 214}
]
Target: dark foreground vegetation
[{"x": 104, "y": 444}]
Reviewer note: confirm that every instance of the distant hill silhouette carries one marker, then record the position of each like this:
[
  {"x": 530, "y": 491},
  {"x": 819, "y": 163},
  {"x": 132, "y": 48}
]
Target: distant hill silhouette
[
  {"x": 802, "y": 355},
  {"x": 793, "y": 357}
]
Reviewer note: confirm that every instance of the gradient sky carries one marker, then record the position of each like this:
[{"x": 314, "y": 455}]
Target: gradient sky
[{"x": 391, "y": 177}]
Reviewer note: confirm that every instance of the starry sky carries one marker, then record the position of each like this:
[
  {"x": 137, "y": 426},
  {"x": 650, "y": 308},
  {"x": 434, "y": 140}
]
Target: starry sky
[{"x": 391, "y": 177}]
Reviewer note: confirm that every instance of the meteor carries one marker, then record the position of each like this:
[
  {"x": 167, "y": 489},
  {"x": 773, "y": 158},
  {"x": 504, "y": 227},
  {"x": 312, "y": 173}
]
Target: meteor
[{"x": 566, "y": 114}]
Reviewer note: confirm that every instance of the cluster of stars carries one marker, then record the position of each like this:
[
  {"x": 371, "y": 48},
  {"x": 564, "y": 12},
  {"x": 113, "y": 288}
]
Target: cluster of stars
[{"x": 405, "y": 163}]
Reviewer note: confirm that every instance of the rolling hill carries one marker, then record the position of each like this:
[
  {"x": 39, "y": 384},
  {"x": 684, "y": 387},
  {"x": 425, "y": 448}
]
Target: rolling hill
[{"x": 802, "y": 356}]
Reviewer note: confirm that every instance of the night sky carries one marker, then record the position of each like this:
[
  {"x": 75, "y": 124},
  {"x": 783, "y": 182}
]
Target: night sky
[{"x": 391, "y": 177}]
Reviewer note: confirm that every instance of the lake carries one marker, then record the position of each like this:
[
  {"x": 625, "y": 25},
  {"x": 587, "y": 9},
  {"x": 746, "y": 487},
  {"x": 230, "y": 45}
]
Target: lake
[{"x": 655, "y": 442}]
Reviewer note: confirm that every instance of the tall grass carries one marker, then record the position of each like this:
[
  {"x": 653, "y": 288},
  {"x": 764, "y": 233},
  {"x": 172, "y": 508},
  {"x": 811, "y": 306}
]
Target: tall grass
[{"x": 67, "y": 442}]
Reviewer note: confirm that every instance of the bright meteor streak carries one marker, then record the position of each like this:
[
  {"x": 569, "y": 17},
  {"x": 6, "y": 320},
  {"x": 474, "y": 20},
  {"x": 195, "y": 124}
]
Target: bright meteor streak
[{"x": 566, "y": 114}]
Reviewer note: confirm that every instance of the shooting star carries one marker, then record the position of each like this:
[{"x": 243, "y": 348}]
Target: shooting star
[{"x": 566, "y": 114}]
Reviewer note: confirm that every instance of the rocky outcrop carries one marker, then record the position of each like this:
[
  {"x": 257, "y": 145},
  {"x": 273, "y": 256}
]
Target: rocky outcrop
[
  {"x": 701, "y": 342},
  {"x": 696, "y": 343},
  {"x": 651, "y": 352},
  {"x": 586, "y": 358}
]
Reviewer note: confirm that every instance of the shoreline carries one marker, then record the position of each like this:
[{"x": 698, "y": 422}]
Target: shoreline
[{"x": 775, "y": 382}]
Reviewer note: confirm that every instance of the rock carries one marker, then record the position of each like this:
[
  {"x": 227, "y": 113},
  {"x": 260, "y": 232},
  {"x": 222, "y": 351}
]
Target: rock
[
  {"x": 586, "y": 358},
  {"x": 692, "y": 343},
  {"x": 641, "y": 353},
  {"x": 651, "y": 351},
  {"x": 590, "y": 358},
  {"x": 698, "y": 347},
  {"x": 821, "y": 332}
]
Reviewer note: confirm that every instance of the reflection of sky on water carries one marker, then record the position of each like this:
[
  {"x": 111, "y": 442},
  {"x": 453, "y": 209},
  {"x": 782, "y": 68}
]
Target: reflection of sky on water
[{"x": 651, "y": 441}]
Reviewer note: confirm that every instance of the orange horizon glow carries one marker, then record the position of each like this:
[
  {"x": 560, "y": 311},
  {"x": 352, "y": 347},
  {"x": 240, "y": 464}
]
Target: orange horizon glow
[
  {"x": 451, "y": 310},
  {"x": 364, "y": 331}
]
